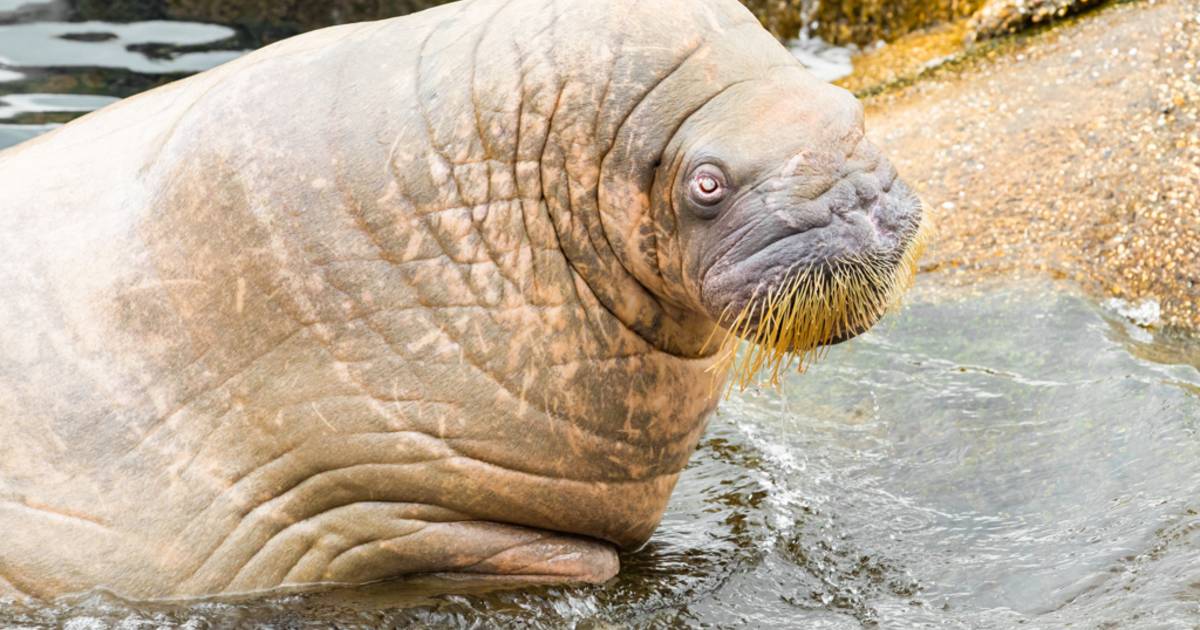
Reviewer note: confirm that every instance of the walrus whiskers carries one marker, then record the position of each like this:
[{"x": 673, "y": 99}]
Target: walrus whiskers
[{"x": 793, "y": 323}]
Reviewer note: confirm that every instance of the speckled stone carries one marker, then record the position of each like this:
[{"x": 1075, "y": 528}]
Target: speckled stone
[
  {"x": 1001, "y": 17},
  {"x": 1074, "y": 153}
]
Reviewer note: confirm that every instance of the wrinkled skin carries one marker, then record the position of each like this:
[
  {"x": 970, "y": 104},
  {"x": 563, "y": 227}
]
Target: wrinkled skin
[{"x": 421, "y": 295}]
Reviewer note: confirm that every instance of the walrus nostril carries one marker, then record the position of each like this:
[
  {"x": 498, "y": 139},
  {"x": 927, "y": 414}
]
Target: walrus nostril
[
  {"x": 807, "y": 216},
  {"x": 857, "y": 193},
  {"x": 889, "y": 176},
  {"x": 869, "y": 190}
]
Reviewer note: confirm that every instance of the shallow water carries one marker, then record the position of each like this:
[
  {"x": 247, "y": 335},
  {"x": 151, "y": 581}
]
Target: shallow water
[
  {"x": 826, "y": 61},
  {"x": 95, "y": 44},
  {"x": 55, "y": 64},
  {"x": 988, "y": 457}
]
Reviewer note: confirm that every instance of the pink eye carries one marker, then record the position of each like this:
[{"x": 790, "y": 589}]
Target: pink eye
[{"x": 707, "y": 186}]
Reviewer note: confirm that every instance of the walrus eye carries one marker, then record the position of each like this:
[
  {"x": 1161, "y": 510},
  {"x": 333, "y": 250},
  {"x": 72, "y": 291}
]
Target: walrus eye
[{"x": 707, "y": 189}]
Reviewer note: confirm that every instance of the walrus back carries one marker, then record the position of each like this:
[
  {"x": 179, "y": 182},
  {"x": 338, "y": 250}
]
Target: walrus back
[{"x": 369, "y": 263}]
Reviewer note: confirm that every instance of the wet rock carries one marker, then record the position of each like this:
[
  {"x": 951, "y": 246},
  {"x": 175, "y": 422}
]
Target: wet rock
[
  {"x": 88, "y": 37},
  {"x": 784, "y": 18},
  {"x": 865, "y": 22},
  {"x": 1003, "y": 17}
]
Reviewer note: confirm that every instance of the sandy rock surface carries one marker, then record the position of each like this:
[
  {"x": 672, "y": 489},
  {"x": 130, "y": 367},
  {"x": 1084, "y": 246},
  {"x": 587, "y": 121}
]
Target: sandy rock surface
[{"x": 1074, "y": 153}]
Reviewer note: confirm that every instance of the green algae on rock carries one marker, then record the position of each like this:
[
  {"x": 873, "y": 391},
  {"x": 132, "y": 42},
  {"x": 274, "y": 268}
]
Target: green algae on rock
[
  {"x": 784, "y": 18},
  {"x": 867, "y": 21}
]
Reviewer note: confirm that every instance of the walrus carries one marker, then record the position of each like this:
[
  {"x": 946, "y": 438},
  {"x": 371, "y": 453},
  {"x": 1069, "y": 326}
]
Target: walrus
[{"x": 443, "y": 294}]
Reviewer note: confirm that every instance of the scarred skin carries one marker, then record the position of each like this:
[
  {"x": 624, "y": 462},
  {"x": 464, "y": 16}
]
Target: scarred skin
[{"x": 413, "y": 296}]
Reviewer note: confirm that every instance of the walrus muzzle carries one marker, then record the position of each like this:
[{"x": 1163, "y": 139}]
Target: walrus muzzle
[
  {"x": 813, "y": 307},
  {"x": 817, "y": 269}
]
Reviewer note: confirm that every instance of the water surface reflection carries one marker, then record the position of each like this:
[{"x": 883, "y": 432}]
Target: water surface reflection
[{"x": 55, "y": 66}]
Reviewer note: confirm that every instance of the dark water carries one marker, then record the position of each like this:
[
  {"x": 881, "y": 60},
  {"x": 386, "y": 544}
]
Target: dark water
[
  {"x": 60, "y": 59},
  {"x": 986, "y": 459}
]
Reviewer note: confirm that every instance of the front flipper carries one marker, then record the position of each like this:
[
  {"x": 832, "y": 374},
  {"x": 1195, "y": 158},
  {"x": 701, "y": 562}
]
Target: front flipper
[
  {"x": 480, "y": 550},
  {"x": 371, "y": 543},
  {"x": 10, "y": 593}
]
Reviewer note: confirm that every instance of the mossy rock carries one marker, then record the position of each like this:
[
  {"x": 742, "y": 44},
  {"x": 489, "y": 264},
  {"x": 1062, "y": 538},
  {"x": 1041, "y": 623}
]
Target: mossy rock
[
  {"x": 868, "y": 21},
  {"x": 784, "y": 18}
]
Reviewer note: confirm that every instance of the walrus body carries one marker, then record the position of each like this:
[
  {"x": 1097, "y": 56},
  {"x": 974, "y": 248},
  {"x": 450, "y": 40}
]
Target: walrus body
[{"x": 413, "y": 296}]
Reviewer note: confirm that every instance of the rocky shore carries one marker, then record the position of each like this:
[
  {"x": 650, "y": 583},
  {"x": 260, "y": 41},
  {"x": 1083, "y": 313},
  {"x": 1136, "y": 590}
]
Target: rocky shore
[{"x": 1073, "y": 152}]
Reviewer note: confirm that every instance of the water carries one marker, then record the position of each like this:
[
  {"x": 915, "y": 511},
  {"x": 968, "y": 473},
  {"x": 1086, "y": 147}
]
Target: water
[
  {"x": 141, "y": 47},
  {"x": 989, "y": 457},
  {"x": 826, "y": 61},
  {"x": 55, "y": 64}
]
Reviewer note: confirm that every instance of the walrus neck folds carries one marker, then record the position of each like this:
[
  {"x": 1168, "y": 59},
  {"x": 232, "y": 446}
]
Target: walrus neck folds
[
  {"x": 431, "y": 313},
  {"x": 600, "y": 161}
]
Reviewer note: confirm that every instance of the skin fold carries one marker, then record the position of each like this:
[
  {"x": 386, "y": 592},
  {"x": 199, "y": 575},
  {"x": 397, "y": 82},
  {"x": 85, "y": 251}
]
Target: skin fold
[{"x": 423, "y": 295}]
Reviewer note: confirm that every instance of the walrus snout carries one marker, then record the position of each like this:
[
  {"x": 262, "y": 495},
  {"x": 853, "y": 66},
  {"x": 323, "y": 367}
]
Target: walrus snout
[
  {"x": 780, "y": 183},
  {"x": 834, "y": 262},
  {"x": 864, "y": 191},
  {"x": 864, "y": 214}
]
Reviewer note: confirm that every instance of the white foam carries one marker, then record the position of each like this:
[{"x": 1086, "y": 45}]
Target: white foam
[
  {"x": 826, "y": 61},
  {"x": 12, "y": 105},
  {"x": 1147, "y": 312}
]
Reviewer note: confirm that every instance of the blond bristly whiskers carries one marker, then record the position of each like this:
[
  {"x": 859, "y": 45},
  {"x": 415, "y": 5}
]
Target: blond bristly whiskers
[{"x": 791, "y": 325}]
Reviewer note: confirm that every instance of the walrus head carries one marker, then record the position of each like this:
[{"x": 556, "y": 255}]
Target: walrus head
[{"x": 795, "y": 233}]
